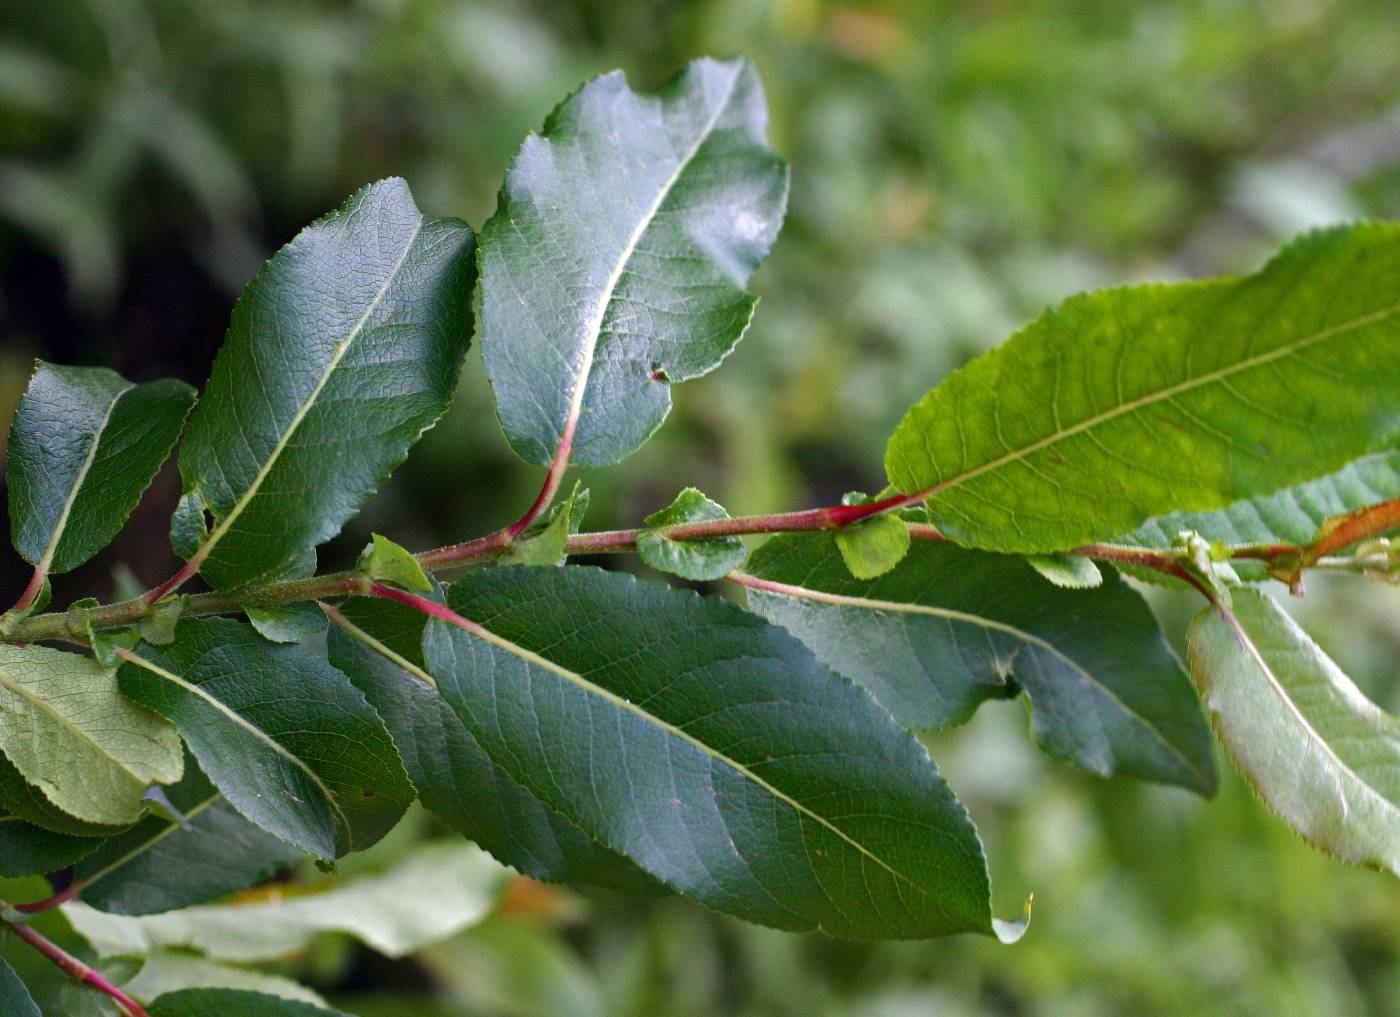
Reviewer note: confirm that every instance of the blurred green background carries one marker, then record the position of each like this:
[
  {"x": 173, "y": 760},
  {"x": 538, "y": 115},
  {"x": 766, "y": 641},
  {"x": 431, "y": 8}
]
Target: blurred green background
[{"x": 956, "y": 166}]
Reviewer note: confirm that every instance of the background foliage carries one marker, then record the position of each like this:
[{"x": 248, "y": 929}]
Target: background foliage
[{"x": 955, "y": 168}]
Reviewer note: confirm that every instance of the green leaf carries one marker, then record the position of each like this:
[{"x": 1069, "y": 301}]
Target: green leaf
[
  {"x": 616, "y": 261},
  {"x": 287, "y": 623},
  {"x": 159, "y": 865},
  {"x": 1122, "y": 405},
  {"x": 68, "y": 732},
  {"x": 544, "y": 543},
  {"x": 15, "y": 1000},
  {"x": 873, "y": 546},
  {"x": 271, "y": 725},
  {"x": 437, "y": 889},
  {"x": 690, "y": 559},
  {"x": 28, "y": 850},
  {"x": 84, "y": 446},
  {"x": 1320, "y": 754},
  {"x": 387, "y": 562},
  {"x": 378, "y": 644},
  {"x": 1070, "y": 571},
  {"x": 175, "y": 970},
  {"x": 949, "y": 628},
  {"x": 1290, "y": 516},
  {"x": 21, "y": 798},
  {"x": 159, "y": 627},
  {"x": 341, "y": 352},
  {"x": 712, "y": 750},
  {"x": 233, "y": 1003}
]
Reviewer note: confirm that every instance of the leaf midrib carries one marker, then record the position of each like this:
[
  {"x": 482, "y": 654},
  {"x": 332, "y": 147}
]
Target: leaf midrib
[
  {"x": 573, "y": 677},
  {"x": 244, "y": 723},
  {"x": 191, "y": 813},
  {"x": 342, "y": 348},
  {"x": 55, "y": 538},
  {"x": 600, "y": 310},
  {"x": 950, "y": 614},
  {"x": 1170, "y": 392}
]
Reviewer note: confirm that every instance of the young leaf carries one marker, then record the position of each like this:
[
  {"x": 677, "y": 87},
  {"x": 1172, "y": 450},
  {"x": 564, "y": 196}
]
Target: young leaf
[
  {"x": 387, "y": 562},
  {"x": 1121, "y": 405},
  {"x": 378, "y": 644},
  {"x": 15, "y": 1000},
  {"x": 873, "y": 546},
  {"x": 1070, "y": 571},
  {"x": 29, "y": 850},
  {"x": 272, "y": 726},
  {"x": 1322, "y": 755},
  {"x": 85, "y": 443},
  {"x": 67, "y": 731},
  {"x": 160, "y": 865},
  {"x": 690, "y": 559},
  {"x": 544, "y": 542},
  {"x": 711, "y": 749},
  {"x": 949, "y": 628},
  {"x": 287, "y": 623},
  {"x": 430, "y": 893},
  {"x": 616, "y": 261},
  {"x": 233, "y": 1003},
  {"x": 341, "y": 352}
]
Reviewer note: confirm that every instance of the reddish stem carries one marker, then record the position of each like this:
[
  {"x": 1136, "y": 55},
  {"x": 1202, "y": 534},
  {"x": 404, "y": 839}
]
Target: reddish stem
[
  {"x": 40, "y": 906},
  {"x": 184, "y": 574},
  {"x": 431, "y": 608},
  {"x": 36, "y": 583},
  {"x": 1356, "y": 527},
  {"x": 76, "y": 969},
  {"x": 552, "y": 480}
]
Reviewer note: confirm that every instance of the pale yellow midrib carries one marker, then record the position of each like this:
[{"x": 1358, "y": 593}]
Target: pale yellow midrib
[
  {"x": 42, "y": 565},
  {"x": 1310, "y": 732},
  {"x": 226, "y": 523},
  {"x": 949, "y": 614},
  {"x": 600, "y": 310},
  {"x": 247, "y": 725},
  {"x": 1133, "y": 405},
  {"x": 135, "y": 852},
  {"x": 530, "y": 657}
]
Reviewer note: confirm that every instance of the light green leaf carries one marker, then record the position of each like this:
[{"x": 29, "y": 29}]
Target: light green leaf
[
  {"x": 159, "y": 628},
  {"x": 160, "y": 865},
  {"x": 1290, "y": 516},
  {"x": 15, "y": 1000},
  {"x": 269, "y": 725},
  {"x": 690, "y": 559},
  {"x": 84, "y": 446},
  {"x": 341, "y": 352},
  {"x": 287, "y": 623},
  {"x": 233, "y": 1003},
  {"x": 20, "y": 798},
  {"x": 378, "y": 644},
  {"x": 1320, "y": 754},
  {"x": 387, "y": 562},
  {"x": 1070, "y": 571},
  {"x": 544, "y": 542},
  {"x": 711, "y": 749},
  {"x": 616, "y": 262},
  {"x": 172, "y": 971},
  {"x": 436, "y": 890},
  {"x": 68, "y": 732},
  {"x": 873, "y": 546},
  {"x": 950, "y": 627},
  {"x": 1122, "y": 405}
]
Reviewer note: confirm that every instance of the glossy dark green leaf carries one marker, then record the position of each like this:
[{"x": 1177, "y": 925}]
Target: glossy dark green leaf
[
  {"x": 15, "y": 1000},
  {"x": 378, "y": 644},
  {"x": 28, "y": 850},
  {"x": 690, "y": 559},
  {"x": 1125, "y": 404},
  {"x": 1322, "y": 755},
  {"x": 233, "y": 1003},
  {"x": 159, "y": 865},
  {"x": 712, "y": 749},
  {"x": 67, "y": 731},
  {"x": 84, "y": 445},
  {"x": 341, "y": 352},
  {"x": 616, "y": 262},
  {"x": 289, "y": 741},
  {"x": 949, "y": 628}
]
